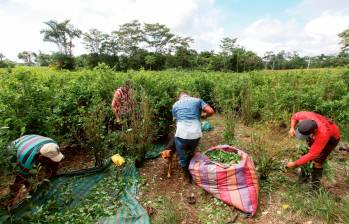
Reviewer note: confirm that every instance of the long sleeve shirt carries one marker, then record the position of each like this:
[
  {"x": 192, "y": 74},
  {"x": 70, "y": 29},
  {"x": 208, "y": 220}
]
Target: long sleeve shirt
[
  {"x": 121, "y": 102},
  {"x": 325, "y": 130}
]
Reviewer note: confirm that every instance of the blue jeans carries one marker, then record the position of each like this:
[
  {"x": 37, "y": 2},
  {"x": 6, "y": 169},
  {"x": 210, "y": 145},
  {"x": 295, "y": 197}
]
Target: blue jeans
[{"x": 185, "y": 149}]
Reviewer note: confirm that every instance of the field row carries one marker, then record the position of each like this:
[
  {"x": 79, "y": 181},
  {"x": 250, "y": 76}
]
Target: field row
[{"x": 73, "y": 106}]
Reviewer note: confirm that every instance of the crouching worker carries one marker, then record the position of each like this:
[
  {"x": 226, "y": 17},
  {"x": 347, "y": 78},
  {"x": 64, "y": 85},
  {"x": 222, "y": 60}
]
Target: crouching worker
[
  {"x": 33, "y": 149},
  {"x": 322, "y": 136},
  {"x": 187, "y": 112}
]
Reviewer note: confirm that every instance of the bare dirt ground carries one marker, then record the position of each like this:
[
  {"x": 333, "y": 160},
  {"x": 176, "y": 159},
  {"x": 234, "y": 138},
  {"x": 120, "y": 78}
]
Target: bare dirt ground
[
  {"x": 166, "y": 198},
  {"x": 74, "y": 160}
]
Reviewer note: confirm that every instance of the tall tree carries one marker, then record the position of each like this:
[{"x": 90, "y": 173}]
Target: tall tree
[
  {"x": 178, "y": 42},
  {"x": 297, "y": 61},
  {"x": 280, "y": 60},
  {"x": 2, "y": 57},
  {"x": 95, "y": 41},
  {"x": 62, "y": 34},
  {"x": 204, "y": 59},
  {"x": 130, "y": 36},
  {"x": 43, "y": 59},
  {"x": 150, "y": 60},
  {"x": 344, "y": 39},
  {"x": 185, "y": 58},
  {"x": 112, "y": 46},
  {"x": 157, "y": 36},
  {"x": 27, "y": 57},
  {"x": 251, "y": 61},
  {"x": 228, "y": 45},
  {"x": 269, "y": 58}
]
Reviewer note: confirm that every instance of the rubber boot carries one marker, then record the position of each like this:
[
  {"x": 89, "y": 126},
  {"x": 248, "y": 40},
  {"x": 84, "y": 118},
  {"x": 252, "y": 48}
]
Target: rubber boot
[
  {"x": 316, "y": 175},
  {"x": 303, "y": 177},
  {"x": 187, "y": 175}
]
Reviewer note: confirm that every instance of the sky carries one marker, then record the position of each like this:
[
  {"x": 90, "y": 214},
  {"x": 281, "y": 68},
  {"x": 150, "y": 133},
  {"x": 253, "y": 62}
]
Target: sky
[{"x": 309, "y": 27}]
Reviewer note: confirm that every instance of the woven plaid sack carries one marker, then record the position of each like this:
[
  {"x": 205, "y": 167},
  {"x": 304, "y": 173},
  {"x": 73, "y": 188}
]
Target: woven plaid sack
[{"x": 235, "y": 185}]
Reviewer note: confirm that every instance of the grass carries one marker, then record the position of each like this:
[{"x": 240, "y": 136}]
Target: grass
[
  {"x": 214, "y": 212},
  {"x": 229, "y": 127},
  {"x": 319, "y": 204},
  {"x": 166, "y": 211},
  {"x": 271, "y": 149}
]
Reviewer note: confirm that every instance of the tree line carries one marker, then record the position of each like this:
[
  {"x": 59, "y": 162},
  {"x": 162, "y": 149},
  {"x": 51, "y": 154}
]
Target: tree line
[{"x": 152, "y": 46}]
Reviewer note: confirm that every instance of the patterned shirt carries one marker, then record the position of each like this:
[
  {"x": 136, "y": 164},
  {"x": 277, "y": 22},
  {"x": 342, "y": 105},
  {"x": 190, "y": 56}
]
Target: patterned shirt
[
  {"x": 121, "y": 102},
  {"x": 27, "y": 147}
]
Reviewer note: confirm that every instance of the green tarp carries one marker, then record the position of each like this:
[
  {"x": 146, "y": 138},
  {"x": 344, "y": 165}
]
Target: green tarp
[
  {"x": 155, "y": 152},
  {"x": 130, "y": 211},
  {"x": 68, "y": 190},
  {"x": 206, "y": 126}
]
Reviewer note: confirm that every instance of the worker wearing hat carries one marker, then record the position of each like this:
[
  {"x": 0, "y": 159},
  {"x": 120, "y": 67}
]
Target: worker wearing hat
[
  {"x": 32, "y": 149},
  {"x": 322, "y": 136}
]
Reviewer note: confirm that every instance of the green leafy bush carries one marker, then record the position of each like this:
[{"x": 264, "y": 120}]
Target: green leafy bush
[{"x": 74, "y": 106}]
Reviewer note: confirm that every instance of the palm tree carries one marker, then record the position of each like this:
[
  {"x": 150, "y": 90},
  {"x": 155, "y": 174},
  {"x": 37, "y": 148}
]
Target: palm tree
[{"x": 62, "y": 34}]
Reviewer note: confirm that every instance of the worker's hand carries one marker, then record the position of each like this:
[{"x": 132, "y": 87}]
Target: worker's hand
[
  {"x": 291, "y": 165},
  {"x": 292, "y": 132},
  {"x": 203, "y": 115}
]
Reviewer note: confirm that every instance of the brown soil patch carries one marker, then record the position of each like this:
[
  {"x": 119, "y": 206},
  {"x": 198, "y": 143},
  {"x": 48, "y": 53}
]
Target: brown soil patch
[
  {"x": 163, "y": 196},
  {"x": 272, "y": 207},
  {"x": 75, "y": 159},
  {"x": 175, "y": 188}
]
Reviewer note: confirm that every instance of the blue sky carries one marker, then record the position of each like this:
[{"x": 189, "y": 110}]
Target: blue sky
[
  {"x": 245, "y": 12},
  {"x": 307, "y": 26}
]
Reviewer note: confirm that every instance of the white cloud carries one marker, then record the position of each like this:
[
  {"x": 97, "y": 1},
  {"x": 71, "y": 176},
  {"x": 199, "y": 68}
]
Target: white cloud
[
  {"x": 203, "y": 26},
  {"x": 310, "y": 27},
  {"x": 22, "y": 20},
  {"x": 319, "y": 35},
  {"x": 311, "y": 8}
]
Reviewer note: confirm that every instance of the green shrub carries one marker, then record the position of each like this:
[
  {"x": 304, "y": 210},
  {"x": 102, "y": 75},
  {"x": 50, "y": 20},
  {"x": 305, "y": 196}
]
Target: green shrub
[
  {"x": 318, "y": 204},
  {"x": 61, "y": 61},
  {"x": 64, "y": 104},
  {"x": 229, "y": 128}
]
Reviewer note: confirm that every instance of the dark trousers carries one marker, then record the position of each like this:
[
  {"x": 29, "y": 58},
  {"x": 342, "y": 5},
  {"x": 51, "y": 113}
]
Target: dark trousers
[
  {"x": 185, "y": 149},
  {"x": 51, "y": 171},
  {"x": 19, "y": 181},
  {"x": 331, "y": 144},
  {"x": 171, "y": 145}
]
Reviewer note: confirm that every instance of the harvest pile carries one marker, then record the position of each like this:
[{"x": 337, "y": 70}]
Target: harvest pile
[
  {"x": 102, "y": 201},
  {"x": 221, "y": 156}
]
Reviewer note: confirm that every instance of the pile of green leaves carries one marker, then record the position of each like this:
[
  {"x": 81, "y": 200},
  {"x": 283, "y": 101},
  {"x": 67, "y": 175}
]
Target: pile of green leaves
[
  {"x": 102, "y": 201},
  {"x": 221, "y": 156}
]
